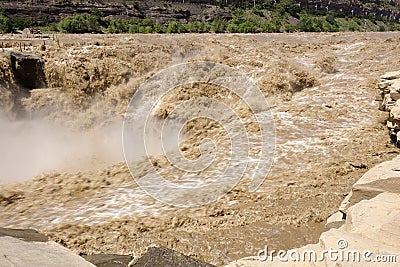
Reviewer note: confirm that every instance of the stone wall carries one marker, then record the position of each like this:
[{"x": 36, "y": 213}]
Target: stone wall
[{"x": 389, "y": 99}]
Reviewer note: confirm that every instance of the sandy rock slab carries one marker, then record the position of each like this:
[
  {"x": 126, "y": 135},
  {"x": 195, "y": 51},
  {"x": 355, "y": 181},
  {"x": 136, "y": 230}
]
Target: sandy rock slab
[
  {"x": 391, "y": 75},
  {"x": 33, "y": 249},
  {"x": 384, "y": 177}
]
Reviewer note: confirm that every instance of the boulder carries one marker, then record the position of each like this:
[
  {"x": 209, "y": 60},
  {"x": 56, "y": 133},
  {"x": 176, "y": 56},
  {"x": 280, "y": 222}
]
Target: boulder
[
  {"x": 24, "y": 252},
  {"x": 383, "y": 85},
  {"x": 335, "y": 220},
  {"x": 164, "y": 257},
  {"x": 28, "y": 70},
  {"x": 391, "y": 75},
  {"x": 377, "y": 219},
  {"x": 395, "y": 112},
  {"x": 395, "y": 96},
  {"x": 394, "y": 85},
  {"x": 109, "y": 260},
  {"x": 384, "y": 177},
  {"x": 23, "y": 234}
]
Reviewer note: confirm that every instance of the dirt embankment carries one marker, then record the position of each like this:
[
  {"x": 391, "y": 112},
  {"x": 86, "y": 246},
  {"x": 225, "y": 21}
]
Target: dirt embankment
[{"x": 320, "y": 88}]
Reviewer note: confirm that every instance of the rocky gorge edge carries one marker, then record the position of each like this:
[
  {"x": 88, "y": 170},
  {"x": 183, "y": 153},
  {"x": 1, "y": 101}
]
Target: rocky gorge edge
[{"x": 365, "y": 231}]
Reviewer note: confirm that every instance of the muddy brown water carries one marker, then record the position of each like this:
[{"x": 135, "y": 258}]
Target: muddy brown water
[{"x": 321, "y": 133}]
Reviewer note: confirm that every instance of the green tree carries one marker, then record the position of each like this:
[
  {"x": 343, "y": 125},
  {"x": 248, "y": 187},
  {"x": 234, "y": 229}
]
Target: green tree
[
  {"x": 20, "y": 24},
  {"x": 310, "y": 23},
  {"x": 173, "y": 27},
  {"x": 289, "y": 7},
  {"x": 158, "y": 28},
  {"x": 331, "y": 18},
  {"x": 232, "y": 27},
  {"x": 204, "y": 27},
  {"x": 81, "y": 24},
  {"x": 250, "y": 25},
  {"x": 218, "y": 26},
  {"x": 117, "y": 26},
  {"x": 5, "y": 24},
  {"x": 133, "y": 28},
  {"x": 96, "y": 12},
  {"x": 289, "y": 27},
  {"x": 273, "y": 25}
]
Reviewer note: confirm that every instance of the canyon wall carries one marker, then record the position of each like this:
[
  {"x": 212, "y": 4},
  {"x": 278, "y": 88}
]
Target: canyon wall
[{"x": 183, "y": 11}]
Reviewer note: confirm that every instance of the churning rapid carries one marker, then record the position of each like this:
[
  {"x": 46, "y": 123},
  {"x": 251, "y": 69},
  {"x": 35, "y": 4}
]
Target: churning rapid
[{"x": 61, "y": 138}]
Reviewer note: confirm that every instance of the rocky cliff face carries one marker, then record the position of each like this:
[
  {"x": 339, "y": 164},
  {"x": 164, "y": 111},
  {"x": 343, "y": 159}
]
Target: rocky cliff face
[
  {"x": 28, "y": 70},
  {"x": 389, "y": 99},
  {"x": 158, "y": 11},
  {"x": 182, "y": 11}
]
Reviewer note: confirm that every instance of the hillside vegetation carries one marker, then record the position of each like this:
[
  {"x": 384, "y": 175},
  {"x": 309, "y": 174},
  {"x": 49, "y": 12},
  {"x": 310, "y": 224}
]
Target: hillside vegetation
[{"x": 200, "y": 16}]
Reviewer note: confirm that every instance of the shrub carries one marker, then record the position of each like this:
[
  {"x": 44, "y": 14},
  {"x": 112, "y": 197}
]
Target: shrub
[
  {"x": 331, "y": 18},
  {"x": 173, "y": 27},
  {"x": 203, "y": 27},
  {"x": 81, "y": 24},
  {"x": 274, "y": 25},
  {"x": 244, "y": 21},
  {"x": 239, "y": 16},
  {"x": 232, "y": 28},
  {"x": 353, "y": 25},
  {"x": 20, "y": 24},
  {"x": 310, "y": 23},
  {"x": 218, "y": 26},
  {"x": 145, "y": 29},
  {"x": 116, "y": 26},
  {"x": 158, "y": 28},
  {"x": 258, "y": 10},
  {"x": 5, "y": 24},
  {"x": 251, "y": 25},
  {"x": 288, "y": 7},
  {"x": 133, "y": 28},
  {"x": 289, "y": 27}
]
